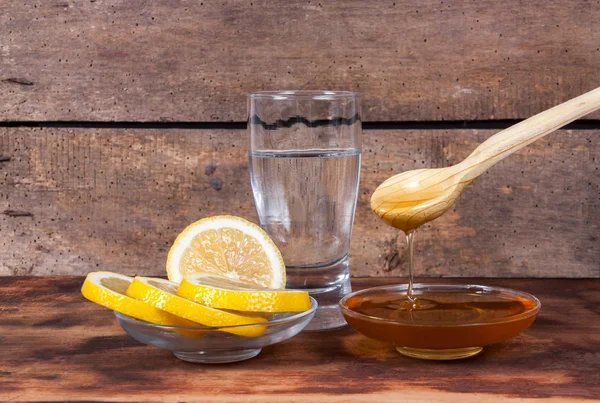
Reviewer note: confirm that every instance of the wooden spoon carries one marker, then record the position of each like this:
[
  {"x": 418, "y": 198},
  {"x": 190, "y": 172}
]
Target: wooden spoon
[{"x": 412, "y": 198}]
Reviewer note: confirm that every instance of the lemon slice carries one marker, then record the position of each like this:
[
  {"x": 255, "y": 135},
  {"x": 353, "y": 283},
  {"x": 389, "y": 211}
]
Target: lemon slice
[
  {"x": 109, "y": 290},
  {"x": 161, "y": 294},
  {"x": 222, "y": 293},
  {"x": 230, "y": 247}
]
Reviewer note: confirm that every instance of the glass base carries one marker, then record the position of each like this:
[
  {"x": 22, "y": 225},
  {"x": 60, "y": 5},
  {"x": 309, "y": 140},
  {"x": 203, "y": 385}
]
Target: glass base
[
  {"x": 328, "y": 315},
  {"x": 327, "y": 285},
  {"x": 326, "y": 318},
  {"x": 218, "y": 356},
  {"x": 441, "y": 355}
]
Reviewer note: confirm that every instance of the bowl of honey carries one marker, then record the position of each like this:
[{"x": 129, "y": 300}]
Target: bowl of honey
[{"x": 440, "y": 321}]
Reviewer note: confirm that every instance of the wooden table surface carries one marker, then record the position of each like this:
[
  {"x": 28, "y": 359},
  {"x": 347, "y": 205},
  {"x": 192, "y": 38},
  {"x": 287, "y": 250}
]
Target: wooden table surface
[{"x": 54, "y": 345}]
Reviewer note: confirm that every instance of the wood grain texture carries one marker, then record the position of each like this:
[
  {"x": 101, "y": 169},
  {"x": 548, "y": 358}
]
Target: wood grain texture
[
  {"x": 72, "y": 200},
  {"x": 58, "y": 346},
  {"x": 109, "y": 60}
]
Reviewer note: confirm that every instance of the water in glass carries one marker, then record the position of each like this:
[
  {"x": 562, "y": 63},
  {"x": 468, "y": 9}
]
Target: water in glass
[{"x": 305, "y": 200}]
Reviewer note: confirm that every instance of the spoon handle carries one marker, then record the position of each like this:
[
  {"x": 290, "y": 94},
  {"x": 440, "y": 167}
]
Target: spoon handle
[{"x": 506, "y": 142}]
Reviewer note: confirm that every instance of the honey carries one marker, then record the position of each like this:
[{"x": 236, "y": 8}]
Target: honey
[
  {"x": 440, "y": 321},
  {"x": 434, "y": 322},
  {"x": 437, "y": 323}
]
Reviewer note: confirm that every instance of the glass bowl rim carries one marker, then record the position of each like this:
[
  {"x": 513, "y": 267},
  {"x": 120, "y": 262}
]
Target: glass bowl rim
[
  {"x": 530, "y": 312},
  {"x": 295, "y": 317},
  {"x": 323, "y": 95}
]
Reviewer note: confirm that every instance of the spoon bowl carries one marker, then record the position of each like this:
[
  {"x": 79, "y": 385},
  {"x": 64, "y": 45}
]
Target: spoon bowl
[{"x": 409, "y": 199}]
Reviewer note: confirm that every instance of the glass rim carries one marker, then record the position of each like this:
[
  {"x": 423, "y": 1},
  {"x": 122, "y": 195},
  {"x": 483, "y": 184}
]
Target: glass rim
[{"x": 318, "y": 95}]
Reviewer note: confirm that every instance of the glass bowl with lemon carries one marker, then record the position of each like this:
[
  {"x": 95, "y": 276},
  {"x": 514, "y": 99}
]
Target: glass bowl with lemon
[{"x": 224, "y": 301}]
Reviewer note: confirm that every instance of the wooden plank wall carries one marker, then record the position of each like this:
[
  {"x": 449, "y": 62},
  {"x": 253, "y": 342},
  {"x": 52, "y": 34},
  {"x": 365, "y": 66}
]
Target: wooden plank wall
[
  {"x": 194, "y": 61},
  {"x": 98, "y": 169}
]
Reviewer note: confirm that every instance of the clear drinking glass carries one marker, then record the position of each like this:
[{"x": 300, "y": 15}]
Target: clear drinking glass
[{"x": 305, "y": 153}]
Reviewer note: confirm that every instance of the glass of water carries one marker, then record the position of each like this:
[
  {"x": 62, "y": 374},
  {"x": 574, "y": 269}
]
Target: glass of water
[{"x": 305, "y": 153}]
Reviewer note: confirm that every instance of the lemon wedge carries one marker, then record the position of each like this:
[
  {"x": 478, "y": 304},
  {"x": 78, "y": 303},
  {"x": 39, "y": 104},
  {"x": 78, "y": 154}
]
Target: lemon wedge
[
  {"x": 230, "y": 247},
  {"x": 161, "y": 294},
  {"x": 109, "y": 290},
  {"x": 222, "y": 293}
]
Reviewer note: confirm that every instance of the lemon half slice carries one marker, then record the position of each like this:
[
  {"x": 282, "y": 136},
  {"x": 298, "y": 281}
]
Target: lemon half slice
[
  {"x": 109, "y": 290},
  {"x": 222, "y": 293},
  {"x": 161, "y": 294},
  {"x": 230, "y": 247}
]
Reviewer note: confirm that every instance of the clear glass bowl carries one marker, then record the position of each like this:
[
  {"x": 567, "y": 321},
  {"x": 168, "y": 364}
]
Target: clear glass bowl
[
  {"x": 454, "y": 321},
  {"x": 211, "y": 345}
]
